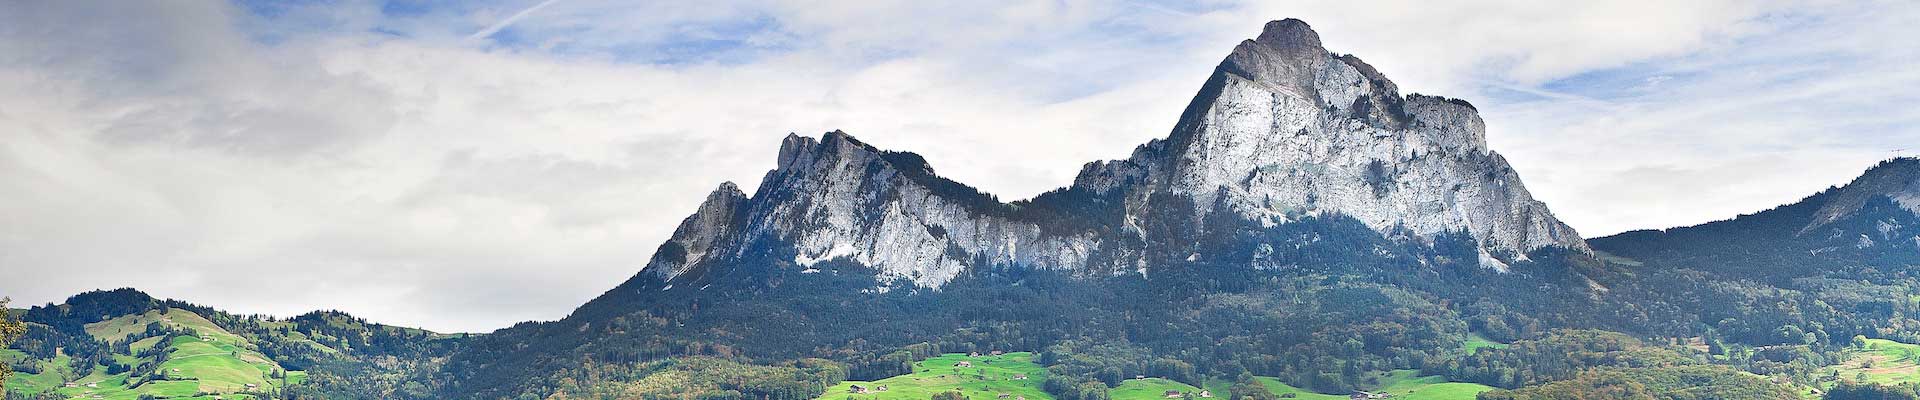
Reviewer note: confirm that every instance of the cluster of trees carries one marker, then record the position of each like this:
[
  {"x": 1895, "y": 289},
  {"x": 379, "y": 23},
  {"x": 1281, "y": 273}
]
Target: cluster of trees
[
  {"x": 1334, "y": 302},
  {"x": 1869, "y": 391},
  {"x": 1694, "y": 382},
  {"x": 1559, "y": 355},
  {"x": 9, "y": 329}
]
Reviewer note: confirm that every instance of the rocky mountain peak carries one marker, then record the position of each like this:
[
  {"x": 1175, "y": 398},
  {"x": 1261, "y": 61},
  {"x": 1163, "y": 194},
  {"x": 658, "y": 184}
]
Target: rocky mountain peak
[
  {"x": 1284, "y": 128},
  {"x": 1287, "y": 36},
  {"x": 1286, "y": 55},
  {"x": 1283, "y": 131},
  {"x": 1897, "y": 179},
  {"x": 699, "y": 234}
]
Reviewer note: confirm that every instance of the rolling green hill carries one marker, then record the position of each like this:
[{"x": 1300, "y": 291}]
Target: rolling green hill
[
  {"x": 195, "y": 358},
  {"x": 124, "y": 345}
]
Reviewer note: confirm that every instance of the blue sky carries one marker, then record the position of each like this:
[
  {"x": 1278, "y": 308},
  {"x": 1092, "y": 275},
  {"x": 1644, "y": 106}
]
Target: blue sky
[{"x": 450, "y": 165}]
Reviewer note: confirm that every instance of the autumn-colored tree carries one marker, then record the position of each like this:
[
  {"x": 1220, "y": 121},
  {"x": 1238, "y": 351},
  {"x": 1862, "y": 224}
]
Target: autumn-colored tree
[{"x": 9, "y": 329}]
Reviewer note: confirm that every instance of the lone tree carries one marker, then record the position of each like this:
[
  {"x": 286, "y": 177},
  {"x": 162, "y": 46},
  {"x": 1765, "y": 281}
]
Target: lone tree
[{"x": 9, "y": 329}]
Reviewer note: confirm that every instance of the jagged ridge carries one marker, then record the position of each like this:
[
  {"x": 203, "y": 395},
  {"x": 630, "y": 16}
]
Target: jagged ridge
[{"x": 1283, "y": 130}]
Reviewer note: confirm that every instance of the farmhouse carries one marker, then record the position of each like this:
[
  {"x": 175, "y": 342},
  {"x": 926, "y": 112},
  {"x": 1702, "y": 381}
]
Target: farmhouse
[
  {"x": 857, "y": 389},
  {"x": 1019, "y": 377},
  {"x": 963, "y": 364},
  {"x": 1204, "y": 393},
  {"x": 1365, "y": 395},
  {"x": 1173, "y": 394}
]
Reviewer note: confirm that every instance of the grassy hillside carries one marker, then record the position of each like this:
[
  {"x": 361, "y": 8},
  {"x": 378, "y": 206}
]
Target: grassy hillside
[
  {"x": 984, "y": 377},
  {"x": 1156, "y": 388},
  {"x": 125, "y": 344},
  {"x": 1408, "y": 385},
  {"x": 1880, "y": 361},
  {"x": 205, "y": 360},
  {"x": 1282, "y": 389}
]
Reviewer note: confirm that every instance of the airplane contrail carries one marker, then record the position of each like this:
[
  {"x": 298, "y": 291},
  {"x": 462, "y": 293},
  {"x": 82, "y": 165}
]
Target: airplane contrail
[{"x": 497, "y": 26}]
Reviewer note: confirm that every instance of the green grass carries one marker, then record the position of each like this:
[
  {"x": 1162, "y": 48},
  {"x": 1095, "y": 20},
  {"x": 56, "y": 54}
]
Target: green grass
[
  {"x": 1475, "y": 342},
  {"x": 986, "y": 379},
  {"x": 35, "y": 383},
  {"x": 1883, "y": 361},
  {"x": 1282, "y": 389},
  {"x": 119, "y": 328},
  {"x": 1402, "y": 384},
  {"x": 214, "y": 365},
  {"x": 1408, "y": 385},
  {"x": 143, "y": 344},
  {"x": 215, "y": 361},
  {"x": 1156, "y": 388}
]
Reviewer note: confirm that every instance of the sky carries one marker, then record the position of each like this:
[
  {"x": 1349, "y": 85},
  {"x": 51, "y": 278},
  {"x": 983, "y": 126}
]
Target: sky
[{"x": 464, "y": 165}]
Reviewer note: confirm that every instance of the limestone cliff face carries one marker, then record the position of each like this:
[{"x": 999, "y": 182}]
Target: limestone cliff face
[
  {"x": 1283, "y": 130},
  {"x": 837, "y": 197}
]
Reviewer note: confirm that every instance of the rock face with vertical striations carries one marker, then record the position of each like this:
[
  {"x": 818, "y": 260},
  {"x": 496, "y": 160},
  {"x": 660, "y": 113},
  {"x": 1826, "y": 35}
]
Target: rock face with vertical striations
[
  {"x": 1284, "y": 128},
  {"x": 1283, "y": 131}
]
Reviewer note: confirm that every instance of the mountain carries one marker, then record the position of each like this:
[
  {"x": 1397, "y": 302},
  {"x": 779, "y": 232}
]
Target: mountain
[
  {"x": 1304, "y": 230},
  {"x": 1872, "y": 222},
  {"x": 124, "y": 344},
  {"x": 1282, "y": 130},
  {"x": 1838, "y": 263},
  {"x": 1301, "y": 211}
]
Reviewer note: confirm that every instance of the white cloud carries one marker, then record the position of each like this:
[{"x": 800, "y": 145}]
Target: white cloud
[{"x": 386, "y": 166}]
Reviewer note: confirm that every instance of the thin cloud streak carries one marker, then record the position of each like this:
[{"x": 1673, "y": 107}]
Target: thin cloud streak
[{"x": 504, "y": 23}]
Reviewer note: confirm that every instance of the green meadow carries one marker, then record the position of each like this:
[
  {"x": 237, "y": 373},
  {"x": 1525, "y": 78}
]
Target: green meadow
[
  {"x": 1881, "y": 361},
  {"x": 983, "y": 377},
  {"x": 1475, "y": 342},
  {"x": 1157, "y": 388},
  {"x": 1408, "y": 385}
]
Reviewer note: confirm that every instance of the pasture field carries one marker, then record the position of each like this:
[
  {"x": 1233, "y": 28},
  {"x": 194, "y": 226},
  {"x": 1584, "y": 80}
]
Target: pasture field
[
  {"x": 1881, "y": 361},
  {"x": 984, "y": 377},
  {"x": 1408, "y": 385},
  {"x": 1156, "y": 388},
  {"x": 212, "y": 361}
]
